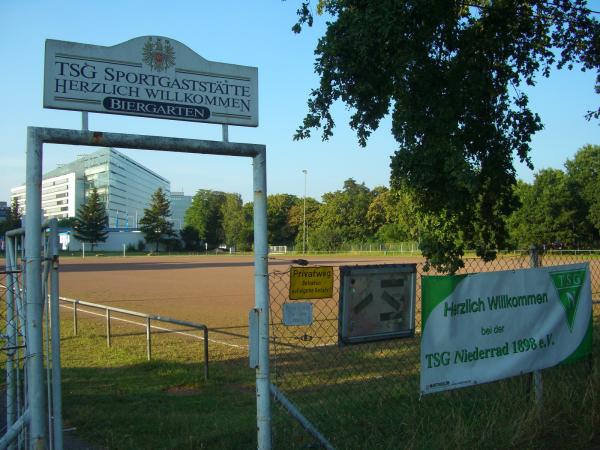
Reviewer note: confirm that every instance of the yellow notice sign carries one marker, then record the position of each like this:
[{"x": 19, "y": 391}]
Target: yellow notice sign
[{"x": 311, "y": 282}]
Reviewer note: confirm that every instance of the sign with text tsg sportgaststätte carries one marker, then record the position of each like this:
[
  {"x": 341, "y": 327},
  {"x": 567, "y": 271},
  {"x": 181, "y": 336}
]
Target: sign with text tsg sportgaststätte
[
  {"x": 488, "y": 326},
  {"x": 149, "y": 76}
]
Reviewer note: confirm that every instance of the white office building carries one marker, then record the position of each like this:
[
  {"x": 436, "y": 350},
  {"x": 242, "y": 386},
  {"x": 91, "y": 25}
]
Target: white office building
[
  {"x": 179, "y": 205},
  {"x": 124, "y": 185},
  {"x": 61, "y": 196}
]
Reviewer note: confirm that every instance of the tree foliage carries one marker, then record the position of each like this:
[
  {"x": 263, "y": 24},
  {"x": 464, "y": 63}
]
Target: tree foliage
[
  {"x": 296, "y": 220},
  {"x": 206, "y": 216},
  {"x": 346, "y": 210},
  {"x": 237, "y": 223},
  {"x": 552, "y": 212},
  {"x": 221, "y": 218},
  {"x": 278, "y": 224},
  {"x": 155, "y": 223},
  {"x": 519, "y": 221},
  {"x": 190, "y": 237},
  {"x": 13, "y": 218},
  {"x": 67, "y": 222},
  {"x": 451, "y": 76},
  {"x": 584, "y": 172},
  {"x": 91, "y": 221},
  {"x": 392, "y": 216},
  {"x": 343, "y": 213},
  {"x": 560, "y": 208}
]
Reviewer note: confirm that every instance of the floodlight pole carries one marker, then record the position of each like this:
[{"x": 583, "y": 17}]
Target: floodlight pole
[{"x": 304, "y": 214}]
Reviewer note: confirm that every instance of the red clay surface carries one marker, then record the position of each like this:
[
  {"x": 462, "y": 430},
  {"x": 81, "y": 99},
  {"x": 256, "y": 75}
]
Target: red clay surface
[{"x": 215, "y": 290}]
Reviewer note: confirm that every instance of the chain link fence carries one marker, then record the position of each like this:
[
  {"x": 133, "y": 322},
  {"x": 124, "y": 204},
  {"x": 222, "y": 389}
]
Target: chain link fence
[
  {"x": 31, "y": 343},
  {"x": 367, "y": 395},
  {"x": 13, "y": 348}
]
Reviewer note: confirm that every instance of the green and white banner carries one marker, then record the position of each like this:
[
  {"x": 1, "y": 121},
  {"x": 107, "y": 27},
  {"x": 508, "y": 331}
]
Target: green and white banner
[{"x": 488, "y": 326}]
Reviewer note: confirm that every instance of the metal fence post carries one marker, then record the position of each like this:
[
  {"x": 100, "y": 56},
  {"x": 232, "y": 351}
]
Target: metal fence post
[
  {"x": 108, "y": 327},
  {"x": 537, "y": 374},
  {"x": 148, "y": 339},
  {"x": 55, "y": 322},
  {"x": 205, "y": 353},
  {"x": 11, "y": 332},
  {"x": 261, "y": 295},
  {"x": 75, "y": 318}
]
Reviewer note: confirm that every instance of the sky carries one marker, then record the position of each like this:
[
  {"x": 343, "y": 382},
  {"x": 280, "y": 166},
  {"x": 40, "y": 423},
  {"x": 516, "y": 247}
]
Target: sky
[{"x": 246, "y": 33}]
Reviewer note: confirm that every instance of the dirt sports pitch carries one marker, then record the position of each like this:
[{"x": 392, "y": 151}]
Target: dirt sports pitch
[{"x": 215, "y": 290}]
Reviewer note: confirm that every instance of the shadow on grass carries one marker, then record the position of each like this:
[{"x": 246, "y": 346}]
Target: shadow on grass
[
  {"x": 159, "y": 405},
  {"x": 163, "y": 404},
  {"x": 362, "y": 397}
]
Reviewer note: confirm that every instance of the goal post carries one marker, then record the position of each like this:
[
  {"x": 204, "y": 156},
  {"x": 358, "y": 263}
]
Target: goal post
[{"x": 278, "y": 249}]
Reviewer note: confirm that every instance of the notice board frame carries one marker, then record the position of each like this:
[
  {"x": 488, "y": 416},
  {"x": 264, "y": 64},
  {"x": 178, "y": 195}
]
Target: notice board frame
[{"x": 405, "y": 305}]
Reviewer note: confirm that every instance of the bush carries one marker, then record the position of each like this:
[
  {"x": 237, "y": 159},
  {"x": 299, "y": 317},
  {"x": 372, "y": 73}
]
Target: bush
[
  {"x": 172, "y": 244},
  {"x": 325, "y": 239},
  {"x": 141, "y": 246}
]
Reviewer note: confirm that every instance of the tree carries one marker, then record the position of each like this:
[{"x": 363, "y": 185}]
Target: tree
[
  {"x": 13, "y": 218},
  {"x": 67, "y": 222},
  {"x": 296, "y": 219},
  {"x": 345, "y": 212},
  {"x": 278, "y": 212},
  {"x": 519, "y": 222},
  {"x": 91, "y": 221},
  {"x": 155, "y": 223},
  {"x": 237, "y": 224},
  {"x": 584, "y": 172},
  {"x": 325, "y": 238},
  {"x": 552, "y": 212},
  {"x": 451, "y": 76},
  {"x": 190, "y": 237},
  {"x": 392, "y": 216},
  {"x": 206, "y": 216},
  {"x": 247, "y": 236}
]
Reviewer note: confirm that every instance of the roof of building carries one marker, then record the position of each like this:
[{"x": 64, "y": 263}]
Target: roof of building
[{"x": 94, "y": 159}]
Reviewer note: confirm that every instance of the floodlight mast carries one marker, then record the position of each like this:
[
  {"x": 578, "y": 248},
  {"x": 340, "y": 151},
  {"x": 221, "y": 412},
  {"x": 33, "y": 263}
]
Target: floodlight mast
[
  {"x": 36, "y": 137},
  {"x": 304, "y": 214}
]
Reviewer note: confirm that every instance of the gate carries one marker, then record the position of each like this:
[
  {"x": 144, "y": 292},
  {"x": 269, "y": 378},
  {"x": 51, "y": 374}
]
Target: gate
[
  {"x": 33, "y": 395},
  {"x": 40, "y": 423}
]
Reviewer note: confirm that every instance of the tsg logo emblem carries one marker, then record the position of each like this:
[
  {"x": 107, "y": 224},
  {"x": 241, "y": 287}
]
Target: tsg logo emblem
[{"x": 158, "y": 54}]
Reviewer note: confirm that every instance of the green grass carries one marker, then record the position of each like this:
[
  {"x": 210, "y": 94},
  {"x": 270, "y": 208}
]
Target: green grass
[
  {"x": 365, "y": 399},
  {"x": 118, "y": 400}
]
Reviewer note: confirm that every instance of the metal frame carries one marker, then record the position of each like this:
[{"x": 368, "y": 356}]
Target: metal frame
[
  {"x": 347, "y": 272},
  {"x": 36, "y": 138},
  {"x": 289, "y": 406}
]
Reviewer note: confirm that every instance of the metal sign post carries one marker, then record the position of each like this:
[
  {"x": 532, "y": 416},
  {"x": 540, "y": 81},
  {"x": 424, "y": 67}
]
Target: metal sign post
[{"x": 261, "y": 295}]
